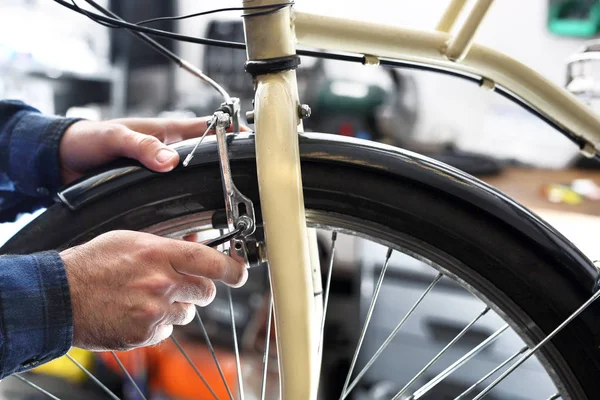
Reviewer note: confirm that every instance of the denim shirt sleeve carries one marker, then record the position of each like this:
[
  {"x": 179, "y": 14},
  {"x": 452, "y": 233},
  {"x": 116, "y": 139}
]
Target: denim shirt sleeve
[
  {"x": 35, "y": 311},
  {"x": 29, "y": 157},
  {"x": 35, "y": 307}
]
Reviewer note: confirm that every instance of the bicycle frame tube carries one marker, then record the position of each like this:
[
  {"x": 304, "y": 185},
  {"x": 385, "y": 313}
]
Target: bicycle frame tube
[
  {"x": 450, "y": 15},
  {"x": 438, "y": 48},
  {"x": 280, "y": 186}
]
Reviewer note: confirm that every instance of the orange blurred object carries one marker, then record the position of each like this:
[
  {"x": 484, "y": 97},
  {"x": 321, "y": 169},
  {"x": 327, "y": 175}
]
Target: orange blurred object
[{"x": 169, "y": 372}]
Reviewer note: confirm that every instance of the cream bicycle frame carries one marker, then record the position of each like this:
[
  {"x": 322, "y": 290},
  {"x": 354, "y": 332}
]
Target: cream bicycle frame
[{"x": 278, "y": 163}]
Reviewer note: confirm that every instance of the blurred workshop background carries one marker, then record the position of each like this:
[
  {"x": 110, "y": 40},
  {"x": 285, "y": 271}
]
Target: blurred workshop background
[{"x": 63, "y": 63}]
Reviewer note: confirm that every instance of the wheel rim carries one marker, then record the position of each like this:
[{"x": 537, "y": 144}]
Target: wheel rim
[
  {"x": 451, "y": 269},
  {"x": 441, "y": 264}
]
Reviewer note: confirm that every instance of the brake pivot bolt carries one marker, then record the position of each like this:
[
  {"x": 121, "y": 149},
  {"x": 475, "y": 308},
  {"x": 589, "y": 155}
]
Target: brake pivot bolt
[
  {"x": 304, "y": 111},
  {"x": 246, "y": 224},
  {"x": 250, "y": 117}
]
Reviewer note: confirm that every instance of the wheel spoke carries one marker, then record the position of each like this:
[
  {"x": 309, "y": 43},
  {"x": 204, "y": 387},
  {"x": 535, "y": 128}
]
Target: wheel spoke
[
  {"x": 391, "y": 336},
  {"x": 492, "y": 372},
  {"x": 328, "y": 287},
  {"x": 92, "y": 377},
  {"x": 235, "y": 346},
  {"x": 457, "y": 364},
  {"x": 536, "y": 348},
  {"x": 139, "y": 390},
  {"x": 263, "y": 389},
  {"x": 441, "y": 353},
  {"x": 36, "y": 387},
  {"x": 212, "y": 352},
  {"x": 189, "y": 360},
  {"x": 367, "y": 319}
]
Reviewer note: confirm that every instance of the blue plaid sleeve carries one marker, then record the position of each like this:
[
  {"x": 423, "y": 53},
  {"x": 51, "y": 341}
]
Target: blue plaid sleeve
[
  {"x": 29, "y": 157},
  {"x": 35, "y": 311}
]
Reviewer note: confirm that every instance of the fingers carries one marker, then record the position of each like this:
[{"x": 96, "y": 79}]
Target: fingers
[
  {"x": 148, "y": 150},
  {"x": 170, "y": 130},
  {"x": 198, "y": 260},
  {"x": 144, "y": 285},
  {"x": 180, "y": 314},
  {"x": 166, "y": 130},
  {"x": 196, "y": 290},
  {"x": 161, "y": 333},
  {"x": 88, "y": 144},
  {"x": 146, "y": 139}
]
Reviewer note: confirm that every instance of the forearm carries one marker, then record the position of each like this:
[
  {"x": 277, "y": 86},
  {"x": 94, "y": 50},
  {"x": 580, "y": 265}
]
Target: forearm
[{"x": 35, "y": 311}]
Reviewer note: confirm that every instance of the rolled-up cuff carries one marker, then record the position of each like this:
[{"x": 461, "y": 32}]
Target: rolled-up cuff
[
  {"x": 34, "y": 157},
  {"x": 35, "y": 311}
]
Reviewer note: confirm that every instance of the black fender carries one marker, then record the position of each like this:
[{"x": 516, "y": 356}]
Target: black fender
[{"x": 364, "y": 154}]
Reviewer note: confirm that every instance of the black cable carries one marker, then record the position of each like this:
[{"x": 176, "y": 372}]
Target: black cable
[
  {"x": 271, "y": 8},
  {"x": 393, "y": 63},
  {"x": 90, "y": 16},
  {"x": 205, "y": 41},
  {"x": 337, "y": 56},
  {"x": 210, "y": 42},
  {"x": 149, "y": 41},
  {"x": 154, "y": 32},
  {"x": 224, "y": 238},
  {"x": 256, "y": 14}
]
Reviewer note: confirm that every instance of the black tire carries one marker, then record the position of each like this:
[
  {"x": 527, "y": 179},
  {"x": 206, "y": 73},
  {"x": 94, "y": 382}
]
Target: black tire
[{"x": 494, "y": 258}]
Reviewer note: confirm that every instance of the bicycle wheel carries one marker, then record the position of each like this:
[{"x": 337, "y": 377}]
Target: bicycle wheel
[{"x": 486, "y": 246}]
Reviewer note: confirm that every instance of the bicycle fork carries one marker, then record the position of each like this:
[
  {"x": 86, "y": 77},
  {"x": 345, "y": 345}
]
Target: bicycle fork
[{"x": 272, "y": 62}]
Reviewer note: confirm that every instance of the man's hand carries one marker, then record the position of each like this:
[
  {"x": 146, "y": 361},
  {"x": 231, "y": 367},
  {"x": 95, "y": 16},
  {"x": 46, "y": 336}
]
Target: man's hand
[
  {"x": 88, "y": 144},
  {"x": 128, "y": 288}
]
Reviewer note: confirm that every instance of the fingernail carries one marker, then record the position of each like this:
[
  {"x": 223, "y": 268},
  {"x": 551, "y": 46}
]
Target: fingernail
[
  {"x": 165, "y": 155},
  {"x": 244, "y": 278}
]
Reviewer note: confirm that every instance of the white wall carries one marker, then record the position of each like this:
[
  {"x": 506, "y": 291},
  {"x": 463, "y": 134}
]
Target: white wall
[{"x": 515, "y": 27}]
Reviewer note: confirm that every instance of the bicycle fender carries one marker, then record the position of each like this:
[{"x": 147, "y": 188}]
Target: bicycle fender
[{"x": 336, "y": 149}]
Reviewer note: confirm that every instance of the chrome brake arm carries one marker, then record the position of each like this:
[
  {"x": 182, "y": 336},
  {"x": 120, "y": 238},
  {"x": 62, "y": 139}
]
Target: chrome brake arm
[{"x": 239, "y": 208}]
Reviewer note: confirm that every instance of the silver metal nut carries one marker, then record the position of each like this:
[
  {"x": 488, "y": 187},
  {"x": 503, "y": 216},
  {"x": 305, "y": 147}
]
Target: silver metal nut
[
  {"x": 304, "y": 111},
  {"x": 246, "y": 223},
  {"x": 250, "y": 117}
]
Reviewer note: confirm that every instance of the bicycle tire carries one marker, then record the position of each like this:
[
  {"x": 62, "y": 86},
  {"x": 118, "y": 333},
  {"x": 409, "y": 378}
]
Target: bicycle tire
[{"x": 495, "y": 255}]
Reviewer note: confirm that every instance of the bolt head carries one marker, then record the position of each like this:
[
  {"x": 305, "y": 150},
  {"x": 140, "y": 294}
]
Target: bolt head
[
  {"x": 304, "y": 111},
  {"x": 250, "y": 117}
]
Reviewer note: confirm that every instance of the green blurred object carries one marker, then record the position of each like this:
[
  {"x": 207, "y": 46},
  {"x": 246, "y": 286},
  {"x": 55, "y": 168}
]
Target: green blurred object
[
  {"x": 350, "y": 97},
  {"x": 575, "y": 18}
]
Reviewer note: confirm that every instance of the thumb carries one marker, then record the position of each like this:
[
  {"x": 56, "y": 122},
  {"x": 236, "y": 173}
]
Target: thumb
[{"x": 148, "y": 150}]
